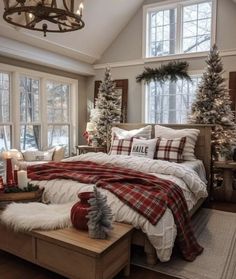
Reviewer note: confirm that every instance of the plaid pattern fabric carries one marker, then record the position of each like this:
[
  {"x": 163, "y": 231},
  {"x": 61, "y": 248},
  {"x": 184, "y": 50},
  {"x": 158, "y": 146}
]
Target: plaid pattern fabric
[
  {"x": 147, "y": 194},
  {"x": 121, "y": 146},
  {"x": 170, "y": 149}
]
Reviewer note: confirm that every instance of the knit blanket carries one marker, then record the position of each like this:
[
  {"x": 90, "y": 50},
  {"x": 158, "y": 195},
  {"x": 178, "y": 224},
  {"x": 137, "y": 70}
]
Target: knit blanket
[{"x": 147, "y": 194}]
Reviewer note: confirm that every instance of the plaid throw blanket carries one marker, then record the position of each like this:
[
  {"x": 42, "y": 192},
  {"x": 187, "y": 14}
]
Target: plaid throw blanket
[{"x": 147, "y": 194}]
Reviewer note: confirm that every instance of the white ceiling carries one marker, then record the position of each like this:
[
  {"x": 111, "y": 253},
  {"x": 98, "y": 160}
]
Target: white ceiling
[{"x": 104, "y": 20}]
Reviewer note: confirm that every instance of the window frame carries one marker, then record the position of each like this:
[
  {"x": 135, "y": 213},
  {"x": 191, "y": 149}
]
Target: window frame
[
  {"x": 145, "y": 98},
  {"x": 10, "y": 122},
  {"x": 15, "y": 74},
  {"x": 179, "y": 27}
]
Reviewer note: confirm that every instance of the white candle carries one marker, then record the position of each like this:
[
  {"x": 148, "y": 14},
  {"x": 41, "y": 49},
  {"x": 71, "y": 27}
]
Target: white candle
[{"x": 22, "y": 179}]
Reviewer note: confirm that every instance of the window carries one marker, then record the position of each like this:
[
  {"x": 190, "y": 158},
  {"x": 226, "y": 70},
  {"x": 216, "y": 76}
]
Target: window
[
  {"x": 170, "y": 102},
  {"x": 58, "y": 96},
  {"x": 37, "y": 110},
  {"x": 183, "y": 27},
  {"x": 29, "y": 113}
]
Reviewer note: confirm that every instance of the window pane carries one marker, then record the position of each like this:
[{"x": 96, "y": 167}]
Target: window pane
[
  {"x": 170, "y": 102},
  {"x": 29, "y": 99},
  {"x": 30, "y": 136},
  {"x": 163, "y": 32},
  {"x": 190, "y": 13},
  {"x": 5, "y": 137},
  {"x": 59, "y": 135},
  {"x": 58, "y": 102},
  {"x": 4, "y": 98},
  {"x": 197, "y": 27}
]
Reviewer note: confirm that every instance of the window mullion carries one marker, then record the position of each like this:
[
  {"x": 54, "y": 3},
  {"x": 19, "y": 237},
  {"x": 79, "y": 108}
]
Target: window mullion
[
  {"x": 179, "y": 29},
  {"x": 44, "y": 113}
]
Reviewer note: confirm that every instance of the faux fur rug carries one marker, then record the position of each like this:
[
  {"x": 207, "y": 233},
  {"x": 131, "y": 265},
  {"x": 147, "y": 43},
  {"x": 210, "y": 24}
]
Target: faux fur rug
[
  {"x": 216, "y": 232},
  {"x": 31, "y": 216}
]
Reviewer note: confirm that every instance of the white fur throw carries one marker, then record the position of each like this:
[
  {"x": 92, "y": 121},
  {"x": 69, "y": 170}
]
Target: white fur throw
[{"x": 32, "y": 216}]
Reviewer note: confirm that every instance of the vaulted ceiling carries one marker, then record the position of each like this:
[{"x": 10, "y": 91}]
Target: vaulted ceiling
[{"x": 104, "y": 20}]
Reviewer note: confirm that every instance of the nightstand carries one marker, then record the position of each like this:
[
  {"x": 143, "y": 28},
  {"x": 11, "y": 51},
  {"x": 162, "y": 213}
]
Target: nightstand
[
  {"x": 228, "y": 167},
  {"x": 82, "y": 149}
]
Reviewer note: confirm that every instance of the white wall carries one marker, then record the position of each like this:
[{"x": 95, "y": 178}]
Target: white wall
[{"x": 127, "y": 49}]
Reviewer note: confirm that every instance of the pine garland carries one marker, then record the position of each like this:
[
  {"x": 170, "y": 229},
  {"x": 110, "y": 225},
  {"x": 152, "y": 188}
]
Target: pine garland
[
  {"x": 172, "y": 71},
  {"x": 100, "y": 216}
]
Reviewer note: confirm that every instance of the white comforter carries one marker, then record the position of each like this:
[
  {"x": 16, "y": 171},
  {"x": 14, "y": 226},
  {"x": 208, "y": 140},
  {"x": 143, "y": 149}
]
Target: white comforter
[{"x": 163, "y": 234}]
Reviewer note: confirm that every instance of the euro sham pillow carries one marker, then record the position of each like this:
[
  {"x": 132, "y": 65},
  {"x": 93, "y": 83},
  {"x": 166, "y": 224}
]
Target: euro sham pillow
[
  {"x": 144, "y": 132},
  {"x": 191, "y": 139},
  {"x": 170, "y": 149},
  {"x": 143, "y": 148},
  {"x": 121, "y": 146}
]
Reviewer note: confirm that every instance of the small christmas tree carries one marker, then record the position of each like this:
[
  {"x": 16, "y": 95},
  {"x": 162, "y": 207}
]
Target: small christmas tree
[
  {"x": 100, "y": 216},
  {"x": 213, "y": 105},
  {"x": 107, "y": 110}
]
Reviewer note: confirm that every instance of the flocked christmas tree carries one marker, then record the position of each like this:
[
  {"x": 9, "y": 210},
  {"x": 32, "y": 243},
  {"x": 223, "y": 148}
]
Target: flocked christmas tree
[
  {"x": 213, "y": 106},
  {"x": 100, "y": 216},
  {"x": 107, "y": 110}
]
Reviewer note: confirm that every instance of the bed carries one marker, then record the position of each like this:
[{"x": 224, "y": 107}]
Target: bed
[
  {"x": 158, "y": 241},
  {"x": 202, "y": 153},
  {"x": 62, "y": 191}
]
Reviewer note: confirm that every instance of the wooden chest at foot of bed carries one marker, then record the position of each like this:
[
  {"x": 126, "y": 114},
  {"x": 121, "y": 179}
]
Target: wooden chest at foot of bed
[{"x": 72, "y": 253}]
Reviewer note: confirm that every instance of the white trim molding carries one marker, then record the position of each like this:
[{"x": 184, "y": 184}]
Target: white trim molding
[
  {"x": 14, "y": 49},
  {"x": 138, "y": 62}
]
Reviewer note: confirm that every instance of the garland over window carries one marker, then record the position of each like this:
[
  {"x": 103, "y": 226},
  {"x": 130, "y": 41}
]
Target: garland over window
[{"x": 172, "y": 71}]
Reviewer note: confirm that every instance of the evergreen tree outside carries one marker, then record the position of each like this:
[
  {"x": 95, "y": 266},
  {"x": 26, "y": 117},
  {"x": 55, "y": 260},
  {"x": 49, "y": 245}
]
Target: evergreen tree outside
[
  {"x": 107, "y": 110},
  {"x": 213, "y": 106}
]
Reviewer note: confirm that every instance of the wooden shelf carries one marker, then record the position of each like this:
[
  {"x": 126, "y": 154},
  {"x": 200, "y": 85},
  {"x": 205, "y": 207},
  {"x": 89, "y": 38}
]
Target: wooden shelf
[{"x": 22, "y": 196}]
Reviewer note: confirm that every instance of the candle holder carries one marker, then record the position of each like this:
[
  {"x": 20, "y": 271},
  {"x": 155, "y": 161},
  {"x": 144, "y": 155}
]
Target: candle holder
[
  {"x": 1, "y": 184},
  {"x": 9, "y": 179}
]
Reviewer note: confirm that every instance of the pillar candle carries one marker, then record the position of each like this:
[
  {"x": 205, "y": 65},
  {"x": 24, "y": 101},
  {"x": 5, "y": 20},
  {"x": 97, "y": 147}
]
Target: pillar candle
[{"x": 22, "y": 179}]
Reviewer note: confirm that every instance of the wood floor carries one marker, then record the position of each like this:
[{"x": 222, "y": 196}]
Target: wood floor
[{"x": 12, "y": 267}]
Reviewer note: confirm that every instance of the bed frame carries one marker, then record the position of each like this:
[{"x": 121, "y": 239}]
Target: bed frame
[{"x": 202, "y": 152}]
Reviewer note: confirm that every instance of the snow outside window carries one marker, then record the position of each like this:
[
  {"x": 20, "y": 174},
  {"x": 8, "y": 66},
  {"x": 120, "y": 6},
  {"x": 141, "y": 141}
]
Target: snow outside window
[
  {"x": 170, "y": 102},
  {"x": 178, "y": 28}
]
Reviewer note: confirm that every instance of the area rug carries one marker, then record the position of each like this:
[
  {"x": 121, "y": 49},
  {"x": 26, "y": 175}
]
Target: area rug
[{"x": 216, "y": 232}]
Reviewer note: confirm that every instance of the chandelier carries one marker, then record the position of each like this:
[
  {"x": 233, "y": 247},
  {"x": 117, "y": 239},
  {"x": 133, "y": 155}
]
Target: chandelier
[{"x": 45, "y": 15}]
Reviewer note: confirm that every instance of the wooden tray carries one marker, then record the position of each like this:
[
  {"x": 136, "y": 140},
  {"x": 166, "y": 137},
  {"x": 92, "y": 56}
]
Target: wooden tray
[{"x": 24, "y": 196}]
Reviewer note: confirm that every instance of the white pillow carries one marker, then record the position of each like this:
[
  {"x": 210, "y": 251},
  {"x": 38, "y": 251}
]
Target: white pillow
[
  {"x": 191, "y": 139},
  {"x": 143, "y": 148},
  {"x": 144, "y": 132},
  {"x": 36, "y": 155}
]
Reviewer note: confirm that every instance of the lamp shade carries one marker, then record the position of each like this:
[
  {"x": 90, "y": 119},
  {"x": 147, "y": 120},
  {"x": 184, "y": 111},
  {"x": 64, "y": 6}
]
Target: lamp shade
[
  {"x": 90, "y": 127},
  {"x": 6, "y": 155}
]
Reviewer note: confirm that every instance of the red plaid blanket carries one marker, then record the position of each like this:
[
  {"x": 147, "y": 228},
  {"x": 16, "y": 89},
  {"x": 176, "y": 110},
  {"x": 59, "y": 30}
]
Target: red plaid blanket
[{"x": 147, "y": 194}]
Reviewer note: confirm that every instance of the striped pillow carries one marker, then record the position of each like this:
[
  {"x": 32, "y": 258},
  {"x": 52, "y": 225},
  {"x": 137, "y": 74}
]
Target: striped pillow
[
  {"x": 121, "y": 146},
  {"x": 170, "y": 149}
]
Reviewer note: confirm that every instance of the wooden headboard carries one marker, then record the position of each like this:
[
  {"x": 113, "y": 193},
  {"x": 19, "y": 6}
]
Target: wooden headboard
[{"x": 203, "y": 145}]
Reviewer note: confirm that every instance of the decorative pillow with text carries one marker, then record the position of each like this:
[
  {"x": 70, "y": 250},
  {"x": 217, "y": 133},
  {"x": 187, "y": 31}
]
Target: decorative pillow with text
[{"x": 143, "y": 148}]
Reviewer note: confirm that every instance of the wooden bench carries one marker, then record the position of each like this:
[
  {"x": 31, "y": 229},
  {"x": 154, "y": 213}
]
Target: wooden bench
[{"x": 72, "y": 253}]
